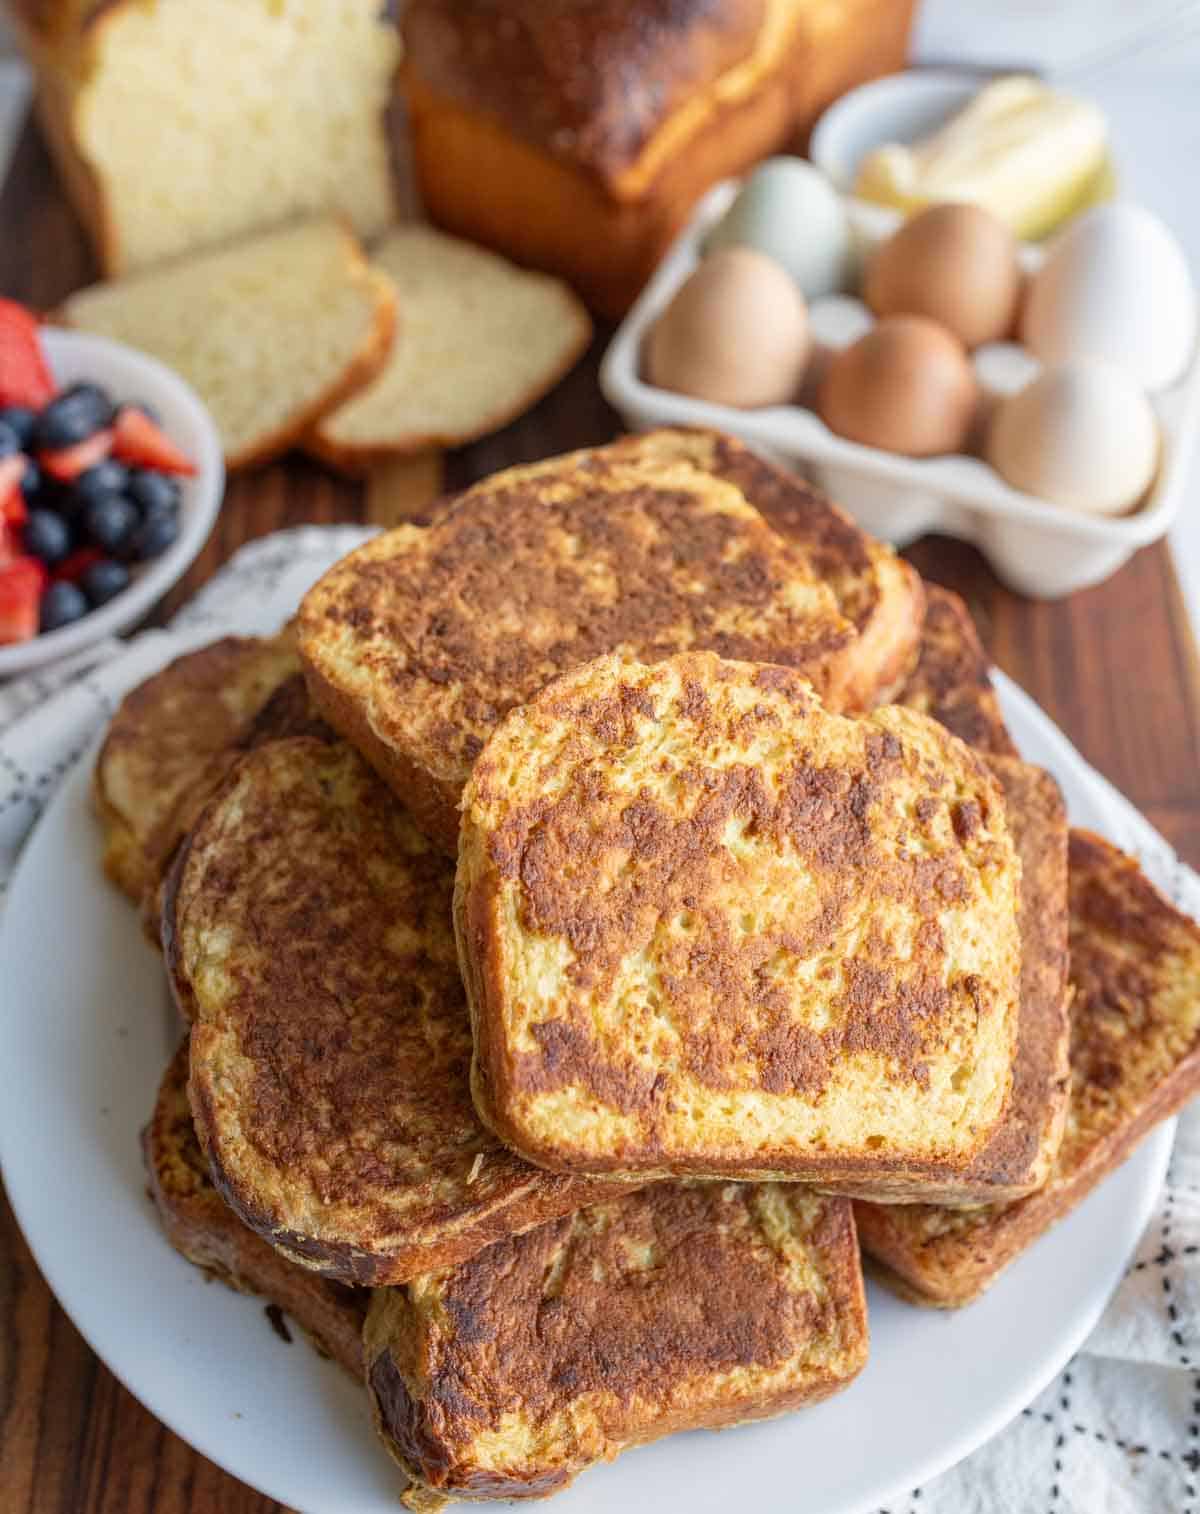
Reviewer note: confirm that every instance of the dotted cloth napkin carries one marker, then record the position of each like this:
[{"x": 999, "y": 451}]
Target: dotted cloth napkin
[{"x": 1118, "y": 1430}]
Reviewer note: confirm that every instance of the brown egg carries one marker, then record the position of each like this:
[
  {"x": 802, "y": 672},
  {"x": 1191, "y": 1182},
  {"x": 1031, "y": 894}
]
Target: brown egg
[
  {"x": 955, "y": 264},
  {"x": 736, "y": 333},
  {"x": 906, "y": 386}
]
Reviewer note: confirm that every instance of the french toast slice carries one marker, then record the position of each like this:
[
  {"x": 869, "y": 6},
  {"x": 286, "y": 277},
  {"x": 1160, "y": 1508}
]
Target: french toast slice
[
  {"x": 951, "y": 681},
  {"x": 418, "y": 643},
  {"x": 163, "y": 737},
  {"x": 1018, "y": 1157},
  {"x": 308, "y": 937},
  {"x": 681, "y": 1306},
  {"x": 709, "y": 929},
  {"x": 881, "y": 595},
  {"x": 1135, "y": 1061},
  {"x": 202, "y": 1227}
]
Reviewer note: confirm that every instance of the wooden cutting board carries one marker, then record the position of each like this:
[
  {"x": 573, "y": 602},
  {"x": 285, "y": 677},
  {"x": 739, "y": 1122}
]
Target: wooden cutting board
[{"x": 1115, "y": 666}]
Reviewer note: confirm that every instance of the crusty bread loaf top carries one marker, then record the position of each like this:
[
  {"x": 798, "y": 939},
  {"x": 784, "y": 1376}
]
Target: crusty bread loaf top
[
  {"x": 310, "y": 942},
  {"x": 709, "y": 928},
  {"x": 1135, "y": 1060},
  {"x": 203, "y": 1228},
  {"x": 563, "y": 81},
  {"x": 684, "y": 1305},
  {"x": 418, "y": 643}
]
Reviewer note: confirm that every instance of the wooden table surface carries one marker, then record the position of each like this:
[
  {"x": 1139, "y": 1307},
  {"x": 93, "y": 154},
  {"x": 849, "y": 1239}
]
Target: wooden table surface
[{"x": 1115, "y": 666}]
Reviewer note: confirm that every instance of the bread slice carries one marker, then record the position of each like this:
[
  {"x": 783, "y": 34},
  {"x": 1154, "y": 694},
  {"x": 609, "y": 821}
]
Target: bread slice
[
  {"x": 952, "y": 681},
  {"x": 880, "y": 594},
  {"x": 271, "y": 332},
  {"x": 417, "y": 644},
  {"x": 709, "y": 929},
  {"x": 481, "y": 342},
  {"x": 1018, "y": 1157},
  {"x": 1135, "y": 1060},
  {"x": 308, "y": 937},
  {"x": 202, "y": 1227},
  {"x": 683, "y": 1306},
  {"x": 163, "y": 739},
  {"x": 257, "y": 113}
]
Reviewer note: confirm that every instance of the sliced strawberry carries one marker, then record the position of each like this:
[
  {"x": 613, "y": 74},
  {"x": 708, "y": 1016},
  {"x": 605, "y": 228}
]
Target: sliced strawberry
[
  {"x": 69, "y": 462},
  {"x": 25, "y": 377},
  {"x": 12, "y": 501},
  {"x": 21, "y": 585},
  {"x": 8, "y": 544},
  {"x": 74, "y": 567},
  {"x": 139, "y": 441}
]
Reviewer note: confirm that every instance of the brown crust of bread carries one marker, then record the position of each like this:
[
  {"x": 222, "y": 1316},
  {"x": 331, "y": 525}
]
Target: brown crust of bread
[
  {"x": 951, "y": 680},
  {"x": 204, "y": 1230},
  {"x": 1119, "y": 1032},
  {"x": 562, "y": 211}
]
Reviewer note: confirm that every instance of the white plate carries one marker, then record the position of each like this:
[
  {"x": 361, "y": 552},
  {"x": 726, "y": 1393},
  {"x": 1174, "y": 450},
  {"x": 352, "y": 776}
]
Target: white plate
[
  {"x": 84, "y": 1036},
  {"x": 133, "y": 377}
]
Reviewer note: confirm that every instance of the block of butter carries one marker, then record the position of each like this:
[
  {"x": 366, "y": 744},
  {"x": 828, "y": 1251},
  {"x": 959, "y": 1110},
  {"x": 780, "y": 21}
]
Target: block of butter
[{"x": 1027, "y": 153}]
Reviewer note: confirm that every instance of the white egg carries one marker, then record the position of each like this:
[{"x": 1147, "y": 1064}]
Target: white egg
[
  {"x": 789, "y": 210},
  {"x": 1081, "y": 435},
  {"x": 1115, "y": 286}
]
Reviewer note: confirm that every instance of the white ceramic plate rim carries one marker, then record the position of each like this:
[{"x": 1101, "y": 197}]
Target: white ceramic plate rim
[
  {"x": 133, "y": 376},
  {"x": 84, "y": 1026}
]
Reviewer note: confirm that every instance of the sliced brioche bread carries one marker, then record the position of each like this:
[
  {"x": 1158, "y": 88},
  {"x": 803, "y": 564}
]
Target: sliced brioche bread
[
  {"x": 708, "y": 928},
  {"x": 270, "y": 332},
  {"x": 482, "y": 341},
  {"x": 952, "y": 678},
  {"x": 256, "y": 112},
  {"x": 1135, "y": 1060}
]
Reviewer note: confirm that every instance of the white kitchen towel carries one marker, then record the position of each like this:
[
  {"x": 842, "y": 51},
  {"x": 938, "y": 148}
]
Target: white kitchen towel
[{"x": 1118, "y": 1430}]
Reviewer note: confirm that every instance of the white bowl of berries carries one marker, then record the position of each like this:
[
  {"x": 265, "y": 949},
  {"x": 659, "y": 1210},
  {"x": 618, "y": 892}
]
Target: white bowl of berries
[{"x": 111, "y": 476}]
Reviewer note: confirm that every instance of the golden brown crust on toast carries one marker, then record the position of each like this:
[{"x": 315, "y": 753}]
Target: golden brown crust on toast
[
  {"x": 951, "y": 680},
  {"x": 202, "y": 1227},
  {"x": 678, "y": 1307},
  {"x": 310, "y": 942},
  {"x": 163, "y": 739},
  {"x": 1135, "y": 1061},
  {"x": 708, "y": 928},
  {"x": 419, "y": 642}
]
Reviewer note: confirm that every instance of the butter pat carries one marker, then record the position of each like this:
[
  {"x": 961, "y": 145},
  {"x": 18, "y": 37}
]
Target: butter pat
[{"x": 1028, "y": 154}]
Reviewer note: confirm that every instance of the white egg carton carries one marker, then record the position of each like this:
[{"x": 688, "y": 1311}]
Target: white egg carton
[{"x": 1037, "y": 548}]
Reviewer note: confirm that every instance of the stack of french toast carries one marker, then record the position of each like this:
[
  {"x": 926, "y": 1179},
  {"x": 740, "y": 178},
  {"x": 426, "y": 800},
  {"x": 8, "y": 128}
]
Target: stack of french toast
[{"x": 604, "y": 915}]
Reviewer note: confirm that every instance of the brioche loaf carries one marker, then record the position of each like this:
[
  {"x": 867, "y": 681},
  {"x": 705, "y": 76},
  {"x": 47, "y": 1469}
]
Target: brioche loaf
[
  {"x": 576, "y": 137},
  {"x": 271, "y": 332},
  {"x": 178, "y": 125}
]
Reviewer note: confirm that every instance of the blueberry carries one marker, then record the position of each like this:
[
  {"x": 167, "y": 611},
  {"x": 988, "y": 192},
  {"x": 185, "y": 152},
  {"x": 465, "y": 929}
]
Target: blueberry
[
  {"x": 154, "y": 536},
  {"x": 153, "y": 492},
  {"x": 62, "y": 603},
  {"x": 33, "y": 482},
  {"x": 73, "y": 416},
  {"x": 108, "y": 477},
  {"x": 104, "y": 580},
  {"x": 22, "y": 420},
  {"x": 46, "y": 536},
  {"x": 10, "y": 442},
  {"x": 110, "y": 522}
]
